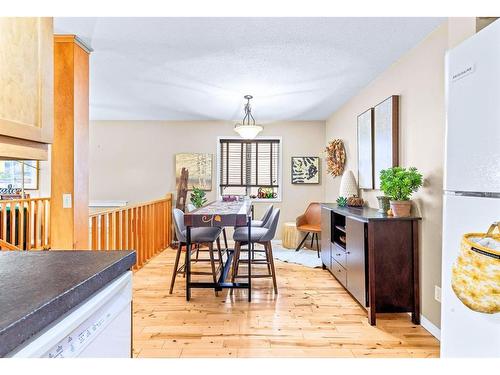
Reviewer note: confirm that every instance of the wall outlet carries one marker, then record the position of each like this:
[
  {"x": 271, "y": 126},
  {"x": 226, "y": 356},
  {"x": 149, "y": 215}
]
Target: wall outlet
[
  {"x": 67, "y": 201},
  {"x": 437, "y": 293}
]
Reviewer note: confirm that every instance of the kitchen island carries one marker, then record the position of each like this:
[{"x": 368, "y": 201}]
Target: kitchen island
[{"x": 56, "y": 303}]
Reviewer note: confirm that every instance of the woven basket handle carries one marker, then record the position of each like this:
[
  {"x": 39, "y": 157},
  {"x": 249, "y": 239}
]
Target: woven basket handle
[{"x": 491, "y": 229}]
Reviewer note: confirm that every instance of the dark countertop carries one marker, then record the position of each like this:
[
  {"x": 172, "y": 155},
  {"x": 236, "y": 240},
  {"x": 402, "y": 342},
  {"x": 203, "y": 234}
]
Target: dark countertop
[
  {"x": 38, "y": 287},
  {"x": 365, "y": 214}
]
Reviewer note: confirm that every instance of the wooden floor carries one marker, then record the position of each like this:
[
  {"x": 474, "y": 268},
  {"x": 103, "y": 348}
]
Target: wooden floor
[{"x": 312, "y": 316}]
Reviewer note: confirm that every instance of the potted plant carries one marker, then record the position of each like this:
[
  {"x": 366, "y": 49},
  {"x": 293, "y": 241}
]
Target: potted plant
[
  {"x": 198, "y": 197},
  {"x": 399, "y": 184}
]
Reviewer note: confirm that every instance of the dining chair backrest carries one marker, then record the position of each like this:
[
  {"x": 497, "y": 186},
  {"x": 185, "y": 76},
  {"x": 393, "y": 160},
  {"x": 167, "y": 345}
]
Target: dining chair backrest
[
  {"x": 179, "y": 224},
  {"x": 267, "y": 214},
  {"x": 271, "y": 225},
  {"x": 190, "y": 207}
]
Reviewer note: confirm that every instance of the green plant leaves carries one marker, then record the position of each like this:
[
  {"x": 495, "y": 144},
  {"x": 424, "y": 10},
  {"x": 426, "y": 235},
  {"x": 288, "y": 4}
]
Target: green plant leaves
[
  {"x": 197, "y": 197},
  {"x": 400, "y": 183}
]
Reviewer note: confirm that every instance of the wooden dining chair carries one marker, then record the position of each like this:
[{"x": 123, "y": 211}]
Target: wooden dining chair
[
  {"x": 310, "y": 222},
  {"x": 199, "y": 236},
  {"x": 258, "y": 235}
]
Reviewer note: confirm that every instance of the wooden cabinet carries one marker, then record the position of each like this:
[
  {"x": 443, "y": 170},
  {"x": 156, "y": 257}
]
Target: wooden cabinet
[
  {"x": 374, "y": 257},
  {"x": 26, "y": 84},
  {"x": 326, "y": 252}
]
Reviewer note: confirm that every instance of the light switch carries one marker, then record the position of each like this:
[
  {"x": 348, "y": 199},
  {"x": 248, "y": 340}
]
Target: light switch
[{"x": 67, "y": 202}]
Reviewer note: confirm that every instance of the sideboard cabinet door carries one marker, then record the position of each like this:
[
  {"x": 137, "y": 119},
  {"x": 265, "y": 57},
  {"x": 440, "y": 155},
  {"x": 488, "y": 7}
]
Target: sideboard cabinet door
[
  {"x": 355, "y": 259},
  {"x": 326, "y": 222}
]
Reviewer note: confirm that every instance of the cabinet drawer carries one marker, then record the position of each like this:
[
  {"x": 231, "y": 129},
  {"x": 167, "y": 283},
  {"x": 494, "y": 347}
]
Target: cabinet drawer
[
  {"x": 339, "y": 255},
  {"x": 339, "y": 272}
]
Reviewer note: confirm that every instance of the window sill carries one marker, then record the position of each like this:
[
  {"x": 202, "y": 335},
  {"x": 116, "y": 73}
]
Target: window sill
[{"x": 273, "y": 200}]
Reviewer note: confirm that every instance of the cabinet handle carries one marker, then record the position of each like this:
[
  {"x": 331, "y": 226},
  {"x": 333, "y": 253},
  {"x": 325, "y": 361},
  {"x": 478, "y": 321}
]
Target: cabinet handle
[
  {"x": 348, "y": 252},
  {"x": 337, "y": 255}
]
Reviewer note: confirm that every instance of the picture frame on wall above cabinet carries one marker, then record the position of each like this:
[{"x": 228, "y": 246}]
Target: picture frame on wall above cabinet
[
  {"x": 385, "y": 136},
  {"x": 305, "y": 170},
  {"x": 365, "y": 150}
]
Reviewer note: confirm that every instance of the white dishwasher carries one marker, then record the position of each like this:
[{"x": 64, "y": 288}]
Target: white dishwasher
[{"x": 100, "y": 327}]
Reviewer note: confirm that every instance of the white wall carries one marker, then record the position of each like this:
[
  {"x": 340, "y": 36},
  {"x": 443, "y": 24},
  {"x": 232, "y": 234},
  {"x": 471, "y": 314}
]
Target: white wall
[{"x": 135, "y": 160}]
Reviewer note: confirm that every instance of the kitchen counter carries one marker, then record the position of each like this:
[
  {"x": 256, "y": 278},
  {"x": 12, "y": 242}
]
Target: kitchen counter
[
  {"x": 38, "y": 287},
  {"x": 365, "y": 214}
]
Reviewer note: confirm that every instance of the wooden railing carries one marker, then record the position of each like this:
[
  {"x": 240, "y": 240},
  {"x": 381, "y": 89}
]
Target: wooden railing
[
  {"x": 25, "y": 224},
  {"x": 145, "y": 227}
]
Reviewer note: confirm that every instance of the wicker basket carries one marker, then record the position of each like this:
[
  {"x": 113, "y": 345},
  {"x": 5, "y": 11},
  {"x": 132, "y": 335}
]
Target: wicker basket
[{"x": 476, "y": 273}]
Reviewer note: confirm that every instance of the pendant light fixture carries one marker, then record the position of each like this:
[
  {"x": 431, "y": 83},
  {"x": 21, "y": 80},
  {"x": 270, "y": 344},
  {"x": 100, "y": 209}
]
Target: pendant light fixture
[{"x": 248, "y": 129}]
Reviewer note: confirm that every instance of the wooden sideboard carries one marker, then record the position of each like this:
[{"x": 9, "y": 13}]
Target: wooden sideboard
[{"x": 374, "y": 256}]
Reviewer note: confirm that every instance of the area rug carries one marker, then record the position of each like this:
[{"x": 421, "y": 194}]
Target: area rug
[{"x": 305, "y": 257}]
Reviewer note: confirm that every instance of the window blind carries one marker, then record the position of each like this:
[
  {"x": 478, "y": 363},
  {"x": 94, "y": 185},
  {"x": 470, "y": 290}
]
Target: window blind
[{"x": 249, "y": 163}]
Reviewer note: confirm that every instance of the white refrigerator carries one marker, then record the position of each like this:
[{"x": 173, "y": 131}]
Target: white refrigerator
[{"x": 471, "y": 182}]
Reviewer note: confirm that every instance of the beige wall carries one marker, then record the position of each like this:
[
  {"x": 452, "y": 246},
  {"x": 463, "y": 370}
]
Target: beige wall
[
  {"x": 134, "y": 160},
  {"x": 418, "y": 77}
]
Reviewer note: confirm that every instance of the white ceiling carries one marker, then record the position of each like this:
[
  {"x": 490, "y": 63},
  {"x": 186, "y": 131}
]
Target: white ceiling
[{"x": 200, "y": 68}]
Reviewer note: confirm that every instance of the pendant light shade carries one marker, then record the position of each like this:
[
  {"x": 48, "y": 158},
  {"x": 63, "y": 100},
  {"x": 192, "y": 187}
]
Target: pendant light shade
[
  {"x": 248, "y": 129},
  {"x": 348, "y": 186}
]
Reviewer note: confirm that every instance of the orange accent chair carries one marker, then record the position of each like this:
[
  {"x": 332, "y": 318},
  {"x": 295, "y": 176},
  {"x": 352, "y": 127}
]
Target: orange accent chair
[{"x": 310, "y": 222}]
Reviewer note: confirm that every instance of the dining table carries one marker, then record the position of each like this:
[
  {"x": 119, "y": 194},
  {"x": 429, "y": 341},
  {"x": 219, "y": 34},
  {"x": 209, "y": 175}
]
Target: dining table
[{"x": 221, "y": 214}]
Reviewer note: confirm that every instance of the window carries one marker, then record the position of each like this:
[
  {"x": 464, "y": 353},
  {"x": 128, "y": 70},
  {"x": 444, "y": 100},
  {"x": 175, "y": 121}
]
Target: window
[{"x": 245, "y": 166}]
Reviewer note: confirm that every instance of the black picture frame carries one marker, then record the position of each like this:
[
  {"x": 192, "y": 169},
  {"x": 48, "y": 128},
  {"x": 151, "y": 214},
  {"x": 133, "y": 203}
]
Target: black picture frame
[{"x": 310, "y": 173}]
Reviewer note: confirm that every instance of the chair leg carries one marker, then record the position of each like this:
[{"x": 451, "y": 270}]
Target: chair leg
[
  {"x": 317, "y": 244},
  {"x": 221, "y": 261},
  {"x": 236, "y": 260},
  {"x": 312, "y": 240},
  {"x": 225, "y": 237},
  {"x": 176, "y": 266},
  {"x": 271, "y": 260},
  {"x": 302, "y": 242},
  {"x": 212, "y": 263},
  {"x": 197, "y": 251}
]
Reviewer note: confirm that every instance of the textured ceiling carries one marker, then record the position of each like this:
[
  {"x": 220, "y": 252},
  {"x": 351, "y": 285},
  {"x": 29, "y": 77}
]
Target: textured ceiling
[{"x": 200, "y": 68}]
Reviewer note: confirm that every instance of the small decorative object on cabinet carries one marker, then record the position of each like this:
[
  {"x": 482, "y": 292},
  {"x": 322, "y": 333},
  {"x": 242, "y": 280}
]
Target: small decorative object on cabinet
[
  {"x": 266, "y": 193},
  {"x": 348, "y": 186},
  {"x": 374, "y": 257},
  {"x": 399, "y": 184},
  {"x": 365, "y": 149},
  {"x": 305, "y": 170},
  {"x": 335, "y": 157},
  {"x": 383, "y": 203},
  {"x": 342, "y": 201},
  {"x": 385, "y": 136},
  {"x": 198, "y": 197},
  {"x": 199, "y": 167},
  {"x": 355, "y": 202}
]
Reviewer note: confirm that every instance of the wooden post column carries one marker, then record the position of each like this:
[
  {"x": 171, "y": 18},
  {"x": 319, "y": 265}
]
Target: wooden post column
[{"x": 69, "y": 214}]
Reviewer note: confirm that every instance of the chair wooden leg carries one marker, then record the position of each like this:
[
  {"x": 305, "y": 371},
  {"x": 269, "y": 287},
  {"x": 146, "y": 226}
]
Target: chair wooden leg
[
  {"x": 271, "y": 260},
  {"x": 221, "y": 261},
  {"x": 225, "y": 237},
  {"x": 302, "y": 242},
  {"x": 212, "y": 263},
  {"x": 236, "y": 260},
  {"x": 176, "y": 267}
]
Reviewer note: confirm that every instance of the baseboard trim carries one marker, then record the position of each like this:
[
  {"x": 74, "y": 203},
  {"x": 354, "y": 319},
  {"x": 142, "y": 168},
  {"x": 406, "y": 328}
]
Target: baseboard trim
[{"x": 431, "y": 328}]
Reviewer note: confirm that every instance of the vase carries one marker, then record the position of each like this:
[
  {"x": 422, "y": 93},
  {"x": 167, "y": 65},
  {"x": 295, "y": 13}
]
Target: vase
[
  {"x": 383, "y": 204},
  {"x": 400, "y": 208}
]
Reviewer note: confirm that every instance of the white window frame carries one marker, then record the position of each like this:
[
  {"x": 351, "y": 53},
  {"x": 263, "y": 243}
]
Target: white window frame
[{"x": 280, "y": 168}]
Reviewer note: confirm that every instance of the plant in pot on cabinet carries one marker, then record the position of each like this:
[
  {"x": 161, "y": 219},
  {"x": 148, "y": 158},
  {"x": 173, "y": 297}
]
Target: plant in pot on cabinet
[{"x": 399, "y": 184}]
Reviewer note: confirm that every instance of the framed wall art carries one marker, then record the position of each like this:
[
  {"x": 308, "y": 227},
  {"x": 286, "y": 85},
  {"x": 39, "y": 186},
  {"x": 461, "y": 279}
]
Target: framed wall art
[
  {"x": 199, "y": 166},
  {"x": 305, "y": 169},
  {"x": 385, "y": 136},
  {"x": 365, "y": 150}
]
